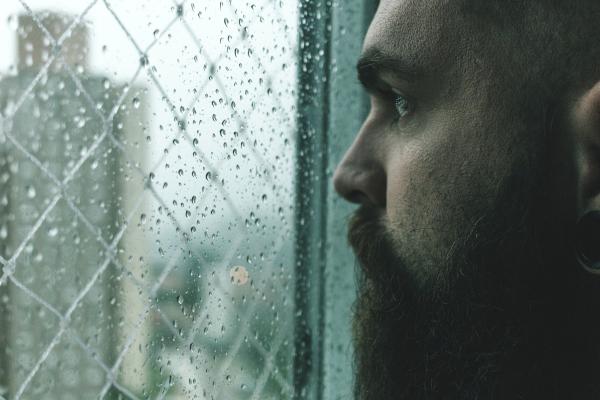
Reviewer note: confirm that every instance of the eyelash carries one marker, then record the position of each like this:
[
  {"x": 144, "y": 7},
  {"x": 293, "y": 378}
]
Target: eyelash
[{"x": 401, "y": 105}]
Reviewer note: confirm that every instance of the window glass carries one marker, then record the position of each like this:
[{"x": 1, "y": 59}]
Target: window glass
[{"x": 147, "y": 163}]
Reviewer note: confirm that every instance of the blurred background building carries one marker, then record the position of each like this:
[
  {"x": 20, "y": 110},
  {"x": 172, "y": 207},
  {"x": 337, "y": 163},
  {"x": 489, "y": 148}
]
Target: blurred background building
[{"x": 69, "y": 204}]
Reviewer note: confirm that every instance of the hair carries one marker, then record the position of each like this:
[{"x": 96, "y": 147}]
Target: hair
[{"x": 557, "y": 38}]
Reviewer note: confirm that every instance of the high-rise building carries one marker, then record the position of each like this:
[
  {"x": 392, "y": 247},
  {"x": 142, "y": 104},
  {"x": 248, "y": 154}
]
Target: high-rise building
[{"x": 60, "y": 197}]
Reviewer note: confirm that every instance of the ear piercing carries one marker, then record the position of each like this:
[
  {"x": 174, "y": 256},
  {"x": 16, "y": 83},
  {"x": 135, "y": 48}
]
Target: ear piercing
[{"x": 587, "y": 241}]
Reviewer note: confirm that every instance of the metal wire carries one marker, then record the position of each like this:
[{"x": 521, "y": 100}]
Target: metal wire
[{"x": 110, "y": 248}]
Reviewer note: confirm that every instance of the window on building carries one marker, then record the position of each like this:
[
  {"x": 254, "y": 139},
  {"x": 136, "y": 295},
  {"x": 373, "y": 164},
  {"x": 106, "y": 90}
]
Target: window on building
[{"x": 167, "y": 228}]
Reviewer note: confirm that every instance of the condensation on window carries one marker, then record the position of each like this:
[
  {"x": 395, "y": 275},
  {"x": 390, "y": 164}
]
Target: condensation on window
[{"x": 147, "y": 199}]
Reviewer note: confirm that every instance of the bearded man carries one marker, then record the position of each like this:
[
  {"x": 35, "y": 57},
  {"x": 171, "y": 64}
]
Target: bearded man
[{"x": 477, "y": 172}]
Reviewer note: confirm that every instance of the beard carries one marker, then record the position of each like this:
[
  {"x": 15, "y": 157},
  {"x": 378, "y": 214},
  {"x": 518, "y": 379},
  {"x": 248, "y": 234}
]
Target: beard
[{"x": 508, "y": 316}]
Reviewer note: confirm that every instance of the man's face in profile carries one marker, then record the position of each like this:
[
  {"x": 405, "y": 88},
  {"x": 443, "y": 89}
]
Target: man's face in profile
[{"x": 466, "y": 174}]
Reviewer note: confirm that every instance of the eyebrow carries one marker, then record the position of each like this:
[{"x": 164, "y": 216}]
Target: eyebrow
[{"x": 373, "y": 62}]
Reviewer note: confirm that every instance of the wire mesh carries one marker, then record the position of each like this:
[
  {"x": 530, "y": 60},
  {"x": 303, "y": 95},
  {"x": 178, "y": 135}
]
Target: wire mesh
[{"x": 142, "y": 261}]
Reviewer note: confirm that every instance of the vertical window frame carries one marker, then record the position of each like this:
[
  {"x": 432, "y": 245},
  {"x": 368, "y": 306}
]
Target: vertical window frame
[{"x": 331, "y": 109}]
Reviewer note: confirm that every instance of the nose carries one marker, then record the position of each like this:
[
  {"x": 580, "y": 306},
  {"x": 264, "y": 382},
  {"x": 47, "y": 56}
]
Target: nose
[{"x": 360, "y": 177}]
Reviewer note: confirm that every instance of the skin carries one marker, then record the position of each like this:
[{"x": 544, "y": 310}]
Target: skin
[
  {"x": 469, "y": 196},
  {"x": 434, "y": 169}
]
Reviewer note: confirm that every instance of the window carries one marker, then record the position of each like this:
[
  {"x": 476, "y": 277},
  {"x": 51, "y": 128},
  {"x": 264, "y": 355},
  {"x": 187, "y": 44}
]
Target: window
[{"x": 167, "y": 229}]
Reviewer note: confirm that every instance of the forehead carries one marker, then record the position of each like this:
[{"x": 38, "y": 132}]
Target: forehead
[{"x": 426, "y": 33}]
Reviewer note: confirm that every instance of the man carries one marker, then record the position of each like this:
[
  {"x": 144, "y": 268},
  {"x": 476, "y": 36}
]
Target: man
[{"x": 477, "y": 172}]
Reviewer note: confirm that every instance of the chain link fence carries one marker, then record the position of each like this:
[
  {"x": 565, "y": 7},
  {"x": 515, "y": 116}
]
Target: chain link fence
[{"x": 146, "y": 223}]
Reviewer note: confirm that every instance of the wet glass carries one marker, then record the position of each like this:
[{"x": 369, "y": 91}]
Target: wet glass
[{"x": 147, "y": 199}]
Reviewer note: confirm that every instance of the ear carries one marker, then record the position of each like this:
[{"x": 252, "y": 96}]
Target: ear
[{"x": 587, "y": 138}]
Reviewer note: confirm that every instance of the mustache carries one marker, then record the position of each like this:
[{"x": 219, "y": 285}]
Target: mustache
[{"x": 370, "y": 240}]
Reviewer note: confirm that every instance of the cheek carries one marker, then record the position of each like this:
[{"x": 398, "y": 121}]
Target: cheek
[
  {"x": 436, "y": 192},
  {"x": 405, "y": 169}
]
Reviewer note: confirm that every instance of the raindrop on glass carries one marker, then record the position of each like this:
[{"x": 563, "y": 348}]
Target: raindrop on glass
[
  {"x": 13, "y": 23},
  {"x": 31, "y": 192}
]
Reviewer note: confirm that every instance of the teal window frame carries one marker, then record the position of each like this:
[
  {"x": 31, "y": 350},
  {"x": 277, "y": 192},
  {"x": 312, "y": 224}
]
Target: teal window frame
[{"x": 331, "y": 109}]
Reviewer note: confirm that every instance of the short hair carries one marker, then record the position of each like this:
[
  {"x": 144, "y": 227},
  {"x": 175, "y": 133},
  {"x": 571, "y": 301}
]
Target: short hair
[{"x": 559, "y": 39}]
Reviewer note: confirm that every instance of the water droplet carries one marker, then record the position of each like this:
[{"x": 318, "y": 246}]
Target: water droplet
[
  {"x": 136, "y": 102},
  {"x": 194, "y": 199},
  {"x": 180, "y": 172},
  {"x": 31, "y": 192},
  {"x": 3, "y": 232},
  {"x": 143, "y": 218},
  {"x": 106, "y": 83},
  {"x": 208, "y": 176},
  {"x": 156, "y": 33},
  {"x": 52, "y": 232},
  {"x": 180, "y": 299}
]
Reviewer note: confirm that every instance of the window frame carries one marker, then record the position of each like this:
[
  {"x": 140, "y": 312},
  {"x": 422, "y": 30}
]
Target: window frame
[{"x": 331, "y": 109}]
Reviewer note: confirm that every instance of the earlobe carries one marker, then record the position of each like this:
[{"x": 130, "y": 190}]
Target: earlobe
[{"x": 587, "y": 137}]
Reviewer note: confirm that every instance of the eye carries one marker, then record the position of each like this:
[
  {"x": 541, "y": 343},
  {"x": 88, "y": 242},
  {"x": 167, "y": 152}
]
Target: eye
[{"x": 401, "y": 104}]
